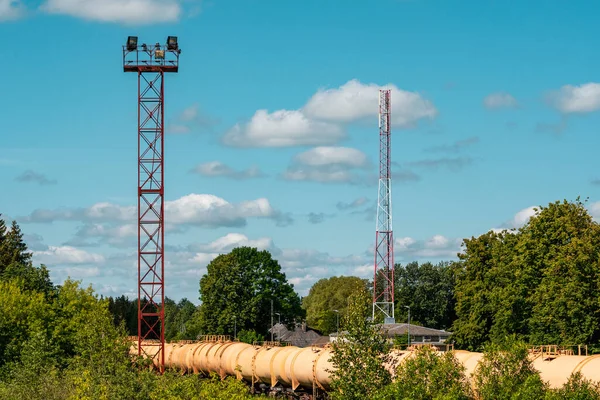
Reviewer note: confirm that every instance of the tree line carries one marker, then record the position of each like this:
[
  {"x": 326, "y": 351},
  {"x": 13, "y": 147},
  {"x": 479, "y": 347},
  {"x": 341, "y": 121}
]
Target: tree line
[
  {"x": 60, "y": 342},
  {"x": 540, "y": 282},
  {"x": 505, "y": 371}
]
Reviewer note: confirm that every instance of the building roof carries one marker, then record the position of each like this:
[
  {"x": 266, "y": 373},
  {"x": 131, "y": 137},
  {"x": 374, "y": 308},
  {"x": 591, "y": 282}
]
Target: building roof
[
  {"x": 415, "y": 330},
  {"x": 321, "y": 341},
  {"x": 301, "y": 336}
]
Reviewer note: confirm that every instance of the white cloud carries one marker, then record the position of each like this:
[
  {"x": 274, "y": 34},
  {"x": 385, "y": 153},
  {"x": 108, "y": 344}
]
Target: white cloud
[
  {"x": 134, "y": 12},
  {"x": 191, "y": 119},
  {"x": 436, "y": 247},
  {"x": 56, "y": 255},
  {"x": 318, "y": 123},
  {"x": 329, "y": 164},
  {"x": 355, "y": 101},
  {"x": 404, "y": 243},
  {"x": 210, "y": 210},
  {"x": 219, "y": 169},
  {"x": 576, "y": 99},
  {"x": 594, "y": 209},
  {"x": 437, "y": 242},
  {"x": 11, "y": 9},
  {"x": 500, "y": 100},
  {"x": 282, "y": 128},
  {"x": 517, "y": 221},
  {"x": 322, "y": 156},
  {"x": 118, "y": 235},
  {"x": 523, "y": 216},
  {"x": 193, "y": 209},
  {"x": 228, "y": 242}
]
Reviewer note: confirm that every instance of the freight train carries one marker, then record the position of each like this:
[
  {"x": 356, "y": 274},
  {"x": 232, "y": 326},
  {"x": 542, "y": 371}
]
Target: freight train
[{"x": 306, "y": 371}]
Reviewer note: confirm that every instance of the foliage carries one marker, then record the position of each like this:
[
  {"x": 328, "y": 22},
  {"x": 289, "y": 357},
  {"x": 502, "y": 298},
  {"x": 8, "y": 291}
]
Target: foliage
[
  {"x": 576, "y": 388},
  {"x": 428, "y": 375},
  {"x": 540, "y": 283},
  {"x": 429, "y": 292},
  {"x": 191, "y": 387},
  {"x": 241, "y": 285},
  {"x": 359, "y": 354},
  {"x": 506, "y": 372},
  {"x": 176, "y": 319},
  {"x": 23, "y": 315},
  {"x": 249, "y": 336},
  {"x": 124, "y": 311},
  {"x": 13, "y": 249},
  {"x": 326, "y": 295}
]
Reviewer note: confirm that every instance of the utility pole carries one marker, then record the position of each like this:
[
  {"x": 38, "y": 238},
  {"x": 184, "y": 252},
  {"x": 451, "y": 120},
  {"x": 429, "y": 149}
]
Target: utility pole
[
  {"x": 150, "y": 63},
  {"x": 234, "y": 327},
  {"x": 408, "y": 325},
  {"x": 271, "y": 320},
  {"x": 383, "y": 278}
]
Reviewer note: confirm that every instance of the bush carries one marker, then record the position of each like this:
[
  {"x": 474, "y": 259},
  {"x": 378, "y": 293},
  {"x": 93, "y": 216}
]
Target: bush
[
  {"x": 429, "y": 375},
  {"x": 360, "y": 354},
  {"x": 576, "y": 388},
  {"x": 505, "y": 372}
]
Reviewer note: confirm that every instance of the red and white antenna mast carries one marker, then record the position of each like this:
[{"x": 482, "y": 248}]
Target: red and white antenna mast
[{"x": 383, "y": 279}]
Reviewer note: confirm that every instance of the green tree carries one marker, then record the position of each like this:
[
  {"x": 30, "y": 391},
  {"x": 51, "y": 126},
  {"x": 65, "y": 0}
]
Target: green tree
[
  {"x": 359, "y": 355},
  {"x": 576, "y": 388},
  {"x": 564, "y": 243},
  {"x": 429, "y": 292},
  {"x": 23, "y": 315},
  {"x": 506, "y": 372},
  {"x": 187, "y": 309},
  {"x": 540, "y": 283},
  {"x": 124, "y": 311},
  {"x": 13, "y": 249},
  {"x": 249, "y": 336},
  {"x": 445, "y": 378},
  {"x": 242, "y": 284},
  {"x": 327, "y": 295}
]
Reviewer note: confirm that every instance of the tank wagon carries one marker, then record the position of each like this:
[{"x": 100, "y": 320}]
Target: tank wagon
[{"x": 307, "y": 369}]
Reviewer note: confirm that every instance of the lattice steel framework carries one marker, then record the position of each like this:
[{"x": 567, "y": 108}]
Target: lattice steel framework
[
  {"x": 151, "y": 63},
  {"x": 383, "y": 279}
]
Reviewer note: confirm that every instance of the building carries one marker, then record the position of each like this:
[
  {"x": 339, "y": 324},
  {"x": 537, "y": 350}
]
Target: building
[
  {"x": 418, "y": 334},
  {"x": 301, "y": 336}
]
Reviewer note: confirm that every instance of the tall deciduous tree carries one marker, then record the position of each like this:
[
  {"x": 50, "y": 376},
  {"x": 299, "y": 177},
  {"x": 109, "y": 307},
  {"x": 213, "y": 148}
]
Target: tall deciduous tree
[
  {"x": 360, "y": 353},
  {"x": 429, "y": 292},
  {"x": 327, "y": 295},
  {"x": 238, "y": 288},
  {"x": 540, "y": 283}
]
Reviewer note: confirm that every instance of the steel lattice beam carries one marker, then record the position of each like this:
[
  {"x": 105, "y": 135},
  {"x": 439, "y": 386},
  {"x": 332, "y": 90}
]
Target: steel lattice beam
[
  {"x": 150, "y": 64},
  {"x": 383, "y": 277},
  {"x": 151, "y": 233}
]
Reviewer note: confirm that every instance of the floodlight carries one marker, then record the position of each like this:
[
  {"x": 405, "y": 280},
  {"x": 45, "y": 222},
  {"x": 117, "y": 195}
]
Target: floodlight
[
  {"x": 159, "y": 54},
  {"x": 172, "y": 43},
  {"x": 132, "y": 43}
]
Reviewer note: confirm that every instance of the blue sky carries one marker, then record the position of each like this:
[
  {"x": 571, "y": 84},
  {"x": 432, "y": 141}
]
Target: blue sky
[{"x": 272, "y": 137}]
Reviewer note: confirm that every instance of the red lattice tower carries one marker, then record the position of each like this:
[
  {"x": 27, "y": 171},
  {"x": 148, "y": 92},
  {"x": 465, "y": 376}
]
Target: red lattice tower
[
  {"x": 383, "y": 279},
  {"x": 151, "y": 63}
]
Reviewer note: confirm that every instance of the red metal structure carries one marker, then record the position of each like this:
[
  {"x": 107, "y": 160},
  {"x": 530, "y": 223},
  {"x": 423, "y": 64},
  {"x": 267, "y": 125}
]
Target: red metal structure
[
  {"x": 383, "y": 279},
  {"x": 151, "y": 63}
]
